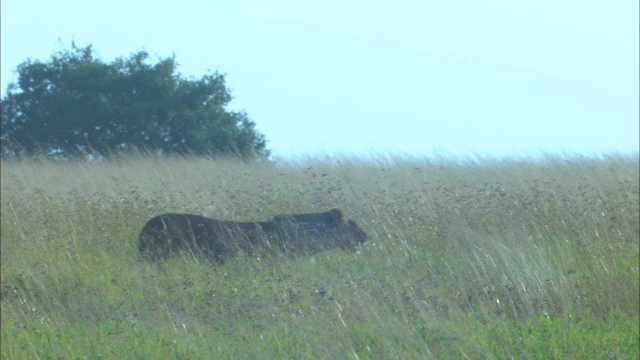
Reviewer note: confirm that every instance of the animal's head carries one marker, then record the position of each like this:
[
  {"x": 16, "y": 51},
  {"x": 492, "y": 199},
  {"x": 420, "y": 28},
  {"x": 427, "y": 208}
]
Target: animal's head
[
  {"x": 357, "y": 232},
  {"x": 322, "y": 231}
]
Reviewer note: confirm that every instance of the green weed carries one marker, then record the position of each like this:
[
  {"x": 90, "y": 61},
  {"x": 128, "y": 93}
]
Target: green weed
[{"x": 492, "y": 260}]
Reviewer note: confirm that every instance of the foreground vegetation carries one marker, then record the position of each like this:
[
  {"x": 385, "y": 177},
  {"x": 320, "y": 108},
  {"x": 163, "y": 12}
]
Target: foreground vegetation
[{"x": 494, "y": 260}]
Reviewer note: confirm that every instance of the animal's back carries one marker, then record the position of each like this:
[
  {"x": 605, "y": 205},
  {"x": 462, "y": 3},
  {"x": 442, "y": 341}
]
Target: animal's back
[
  {"x": 217, "y": 239},
  {"x": 169, "y": 233}
]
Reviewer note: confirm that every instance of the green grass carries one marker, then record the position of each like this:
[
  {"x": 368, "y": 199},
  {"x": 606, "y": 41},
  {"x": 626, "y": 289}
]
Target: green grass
[{"x": 488, "y": 260}]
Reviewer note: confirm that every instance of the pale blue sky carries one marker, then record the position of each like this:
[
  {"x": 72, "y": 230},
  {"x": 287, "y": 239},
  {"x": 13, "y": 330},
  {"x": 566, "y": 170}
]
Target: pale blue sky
[{"x": 374, "y": 77}]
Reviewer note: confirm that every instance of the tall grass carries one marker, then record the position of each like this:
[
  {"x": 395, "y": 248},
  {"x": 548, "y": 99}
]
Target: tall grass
[{"x": 494, "y": 259}]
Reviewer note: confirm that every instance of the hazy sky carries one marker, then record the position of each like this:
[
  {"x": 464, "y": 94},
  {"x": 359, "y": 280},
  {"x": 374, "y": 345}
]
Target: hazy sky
[{"x": 373, "y": 77}]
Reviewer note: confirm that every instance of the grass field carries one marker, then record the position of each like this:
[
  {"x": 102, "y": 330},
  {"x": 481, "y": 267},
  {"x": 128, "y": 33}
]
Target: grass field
[{"x": 487, "y": 260}]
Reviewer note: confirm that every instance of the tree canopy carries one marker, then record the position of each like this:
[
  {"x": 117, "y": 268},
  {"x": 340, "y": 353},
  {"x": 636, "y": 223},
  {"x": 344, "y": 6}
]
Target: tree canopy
[{"x": 77, "y": 104}]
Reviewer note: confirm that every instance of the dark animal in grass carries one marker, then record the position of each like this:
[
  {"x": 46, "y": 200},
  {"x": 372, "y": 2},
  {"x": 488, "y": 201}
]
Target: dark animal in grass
[{"x": 170, "y": 234}]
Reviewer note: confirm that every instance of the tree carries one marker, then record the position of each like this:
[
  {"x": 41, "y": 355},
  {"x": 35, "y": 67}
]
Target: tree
[{"x": 77, "y": 104}]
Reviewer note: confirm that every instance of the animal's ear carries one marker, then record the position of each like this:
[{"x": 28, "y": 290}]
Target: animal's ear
[{"x": 337, "y": 216}]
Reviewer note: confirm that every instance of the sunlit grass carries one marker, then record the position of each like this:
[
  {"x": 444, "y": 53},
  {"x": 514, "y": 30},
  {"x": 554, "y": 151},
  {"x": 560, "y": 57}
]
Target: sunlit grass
[{"x": 508, "y": 259}]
